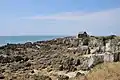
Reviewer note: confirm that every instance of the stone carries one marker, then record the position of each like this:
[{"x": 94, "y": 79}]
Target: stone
[
  {"x": 118, "y": 56},
  {"x": 60, "y": 67},
  {"x": 77, "y": 62},
  {"x": 83, "y": 48},
  {"x": 91, "y": 62},
  {"x": 5, "y": 59},
  {"x": 63, "y": 77},
  {"x": 2, "y": 76},
  {"x": 28, "y": 44},
  {"x": 2, "y": 70},
  {"x": 49, "y": 69},
  {"x": 69, "y": 54},
  {"x": 97, "y": 60},
  {"x": 79, "y": 74},
  {"x": 18, "y": 58},
  {"x": 108, "y": 57},
  {"x": 32, "y": 71},
  {"x": 75, "y": 42},
  {"x": 41, "y": 77},
  {"x": 108, "y": 46},
  {"x": 27, "y": 64}
]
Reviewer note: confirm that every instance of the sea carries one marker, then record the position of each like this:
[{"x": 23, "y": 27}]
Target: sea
[{"x": 23, "y": 39}]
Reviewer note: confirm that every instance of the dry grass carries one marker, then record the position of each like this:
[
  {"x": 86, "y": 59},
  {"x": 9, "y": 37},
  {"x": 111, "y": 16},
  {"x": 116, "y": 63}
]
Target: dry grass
[{"x": 106, "y": 71}]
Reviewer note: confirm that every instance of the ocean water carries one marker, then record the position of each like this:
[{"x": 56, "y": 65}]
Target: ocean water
[{"x": 22, "y": 39}]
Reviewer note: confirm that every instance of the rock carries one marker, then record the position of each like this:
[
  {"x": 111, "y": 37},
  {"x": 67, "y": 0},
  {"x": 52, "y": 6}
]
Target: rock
[
  {"x": 16, "y": 66},
  {"x": 84, "y": 66},
  {"x": 77, "y": 62},
  {"x": 95, "y": 50},
  {"x": 116, "y": 57},
  {"x": 60, "y": 67},
  {"x": 74, "y": 42},
  {"x": 63, "y": 77},
  {"x": 83, "y": 48},
  {"x": 28, "y": 44},
  {"x": 4, "y": 55},
  {"x": 63, "y": 54},
  {"x": 2, "y": 76},
  {"x": 41, "y": 77},
  {"x": 91, "y": 61},
  {"x": 79, "y": 74},
  {"x": 18, "y": 58},
  {"x": 111, "y": 57},
  {"x": 27, "y": 64},
  {"x": 5, "y": 59},
  {"x": 49, "y": 69},
  {"x": 94, "y": 60},
  {"x": 2, "y": 70},
  {"x": 108, "y": 45}
]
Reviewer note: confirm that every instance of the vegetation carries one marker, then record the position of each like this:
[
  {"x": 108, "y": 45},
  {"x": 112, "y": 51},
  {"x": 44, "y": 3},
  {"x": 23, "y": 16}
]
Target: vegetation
[
  {"x": 106, "y": 71},
  {"x": 86, "y": 41},
  {"x": 105, "y": 37}
]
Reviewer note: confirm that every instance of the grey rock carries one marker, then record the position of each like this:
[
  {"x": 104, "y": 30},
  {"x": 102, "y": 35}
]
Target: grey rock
[{"x": 63, "y": 77}]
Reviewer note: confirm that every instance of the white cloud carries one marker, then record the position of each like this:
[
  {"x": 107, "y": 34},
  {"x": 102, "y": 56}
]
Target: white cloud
[
  {"x": 68, "y": 23},
  {"x": 77, "y": 15},
  {"x": 59, "y": 16}
]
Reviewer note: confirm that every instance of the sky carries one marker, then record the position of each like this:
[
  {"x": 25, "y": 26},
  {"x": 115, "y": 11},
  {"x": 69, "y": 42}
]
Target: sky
[{"x": 59, "y": 17}]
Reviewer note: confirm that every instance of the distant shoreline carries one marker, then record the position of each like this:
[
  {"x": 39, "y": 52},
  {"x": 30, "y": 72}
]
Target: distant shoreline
[{"x": 11, "y": 39}]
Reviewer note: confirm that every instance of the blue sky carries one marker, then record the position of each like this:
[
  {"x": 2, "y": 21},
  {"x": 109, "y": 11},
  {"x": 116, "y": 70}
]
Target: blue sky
[{"x": 59, "y": 17}]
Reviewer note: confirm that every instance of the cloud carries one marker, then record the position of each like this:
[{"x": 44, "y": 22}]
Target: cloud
[
  {"x": 68, "y": 23},
  {"x": 77, "y": 15},
  {"x": 59, "y": 16}
]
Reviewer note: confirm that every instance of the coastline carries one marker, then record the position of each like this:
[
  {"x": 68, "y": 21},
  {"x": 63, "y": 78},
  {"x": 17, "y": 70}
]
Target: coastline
[
  {"x": 64, "y": 56},
  {"x": 17, "y": 39}
]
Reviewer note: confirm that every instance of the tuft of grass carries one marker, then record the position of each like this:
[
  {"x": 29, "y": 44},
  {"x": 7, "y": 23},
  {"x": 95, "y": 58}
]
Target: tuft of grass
[{"x": 105, "y": 71}]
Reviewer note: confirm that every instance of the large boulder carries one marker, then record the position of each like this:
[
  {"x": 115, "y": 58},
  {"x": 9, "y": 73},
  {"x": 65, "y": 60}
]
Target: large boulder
[{"x": 92, "y": 61}]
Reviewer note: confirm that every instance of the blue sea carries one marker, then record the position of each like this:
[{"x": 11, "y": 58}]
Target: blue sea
[{"x": 22, "y": 39}]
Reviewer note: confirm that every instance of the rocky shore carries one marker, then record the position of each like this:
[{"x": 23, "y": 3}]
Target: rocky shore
[{"x": 57, "y": 59}]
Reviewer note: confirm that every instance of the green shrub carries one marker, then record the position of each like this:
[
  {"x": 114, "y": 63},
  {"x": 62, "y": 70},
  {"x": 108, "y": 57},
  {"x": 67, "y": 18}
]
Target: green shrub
[{"x": 86, "y": 41}]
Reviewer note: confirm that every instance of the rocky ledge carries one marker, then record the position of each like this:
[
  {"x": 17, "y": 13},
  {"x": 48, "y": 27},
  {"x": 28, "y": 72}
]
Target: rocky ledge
[{"x": 61, "y": 58}]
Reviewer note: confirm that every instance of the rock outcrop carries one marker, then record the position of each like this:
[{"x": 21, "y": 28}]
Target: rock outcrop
[{"x": 62, "y": 54}]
